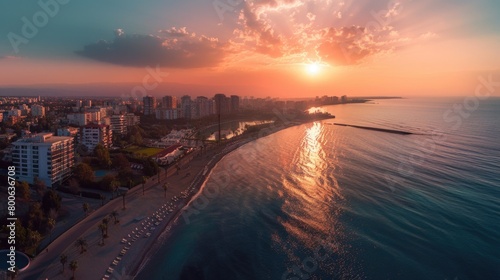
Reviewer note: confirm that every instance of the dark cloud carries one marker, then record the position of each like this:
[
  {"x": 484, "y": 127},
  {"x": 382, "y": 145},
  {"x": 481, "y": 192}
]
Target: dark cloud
[{"x": 171, "y": 50}]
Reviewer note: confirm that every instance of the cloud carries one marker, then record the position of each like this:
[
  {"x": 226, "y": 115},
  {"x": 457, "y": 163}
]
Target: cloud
[
  {"x": 171, "y": 48},
  {"x": 176, "y": 32},
  {"x": 347, "y": 45},
  {"x": 320, "y": 30}
]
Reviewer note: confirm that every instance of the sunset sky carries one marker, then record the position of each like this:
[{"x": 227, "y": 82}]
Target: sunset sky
[{"x": 283, "y": 48}]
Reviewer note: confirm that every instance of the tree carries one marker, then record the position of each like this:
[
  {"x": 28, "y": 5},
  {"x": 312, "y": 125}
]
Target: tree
[
  {"x": 114, "y": 215},
  {"x": 34, "y": 237},
  {"x": 121, "y": 162},
  {"x": 63, "y": 259},
  {"x": 39, "y": 186},
  {"x": 165, "y": 187},
  {"x": 110, "y": 183},
  {"x": 84, "y": 174},
  {"x": 102, "y": 227},
  {"x": 102, "y": 155},
  {"x": 106, "y": 222},
  {"x": 51, "y": 200},
  {"x": 150, "y": 167},
  {"x": 51, "y": 223},
  {"x": 102, "y": 197},
  {"x": 124, "y": 193},
  {"x": 82, "y": 243},
  {"x": 144, "y": 179},
  {"x": 86, "y": 208},
  {"x": 73, "y": 265},
  {"x": 35, "y": 216},
  {"x": 23, "y": 190}
]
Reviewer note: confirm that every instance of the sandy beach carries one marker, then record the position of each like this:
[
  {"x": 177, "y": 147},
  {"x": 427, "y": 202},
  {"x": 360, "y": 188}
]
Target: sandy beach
[{"x": 144, "y": 223}]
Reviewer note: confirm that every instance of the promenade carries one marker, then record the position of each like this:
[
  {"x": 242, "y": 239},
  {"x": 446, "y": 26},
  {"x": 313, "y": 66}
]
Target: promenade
[{"x": 135, "y": 221}]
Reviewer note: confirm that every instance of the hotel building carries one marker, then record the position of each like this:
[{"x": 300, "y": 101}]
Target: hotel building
[{"x": 44, "y": 156}]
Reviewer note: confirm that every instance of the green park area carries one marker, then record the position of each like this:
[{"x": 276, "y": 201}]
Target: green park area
[{"x": 142, "y": 151}]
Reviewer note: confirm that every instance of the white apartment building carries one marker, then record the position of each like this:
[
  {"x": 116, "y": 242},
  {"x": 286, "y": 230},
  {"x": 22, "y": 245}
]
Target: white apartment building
[
  {"x": 93, "y": 134},
  {"x": 47, "y": 157}
]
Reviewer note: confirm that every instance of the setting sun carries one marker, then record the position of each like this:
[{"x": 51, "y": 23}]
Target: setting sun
[{"x": 313, "y": 68}]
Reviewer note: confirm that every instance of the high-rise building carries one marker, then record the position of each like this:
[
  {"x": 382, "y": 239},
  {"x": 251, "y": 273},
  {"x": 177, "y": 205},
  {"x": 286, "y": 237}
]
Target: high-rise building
[
  {"x": 168, "y": 114},
  {"x": 235, "y": 103},
  {"x": 222, "y": 104},
  {"x": 186, "y": 106},
  {"x": 201, "y": 107},
  {"x": 93, "y": 134},
  {"x": 118, "y": 124},
  {"x": 149, "y": 103},
  {"x": 43, "y": 156},
  {"x": 37, "y": 111},
  {"x": 169, "y": 102}
]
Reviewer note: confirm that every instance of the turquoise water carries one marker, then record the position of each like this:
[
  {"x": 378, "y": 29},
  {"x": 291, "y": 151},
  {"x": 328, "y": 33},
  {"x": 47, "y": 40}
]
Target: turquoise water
[
  {"x": 101, "y": 173},
  {"x": 319, "y": 201}
]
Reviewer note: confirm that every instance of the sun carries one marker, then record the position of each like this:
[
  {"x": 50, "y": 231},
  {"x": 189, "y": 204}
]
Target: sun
[{"x": 313, "y": 68}]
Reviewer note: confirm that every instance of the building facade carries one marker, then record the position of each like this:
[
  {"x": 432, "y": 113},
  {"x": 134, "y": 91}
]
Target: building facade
[
  {"x": 93, "y": 134},
  {"x": 37, "y": 111},
  {"x": 149, "y": 103},
  {"x": 169, "y": 102},
  {"x": 43, "y": 156}
]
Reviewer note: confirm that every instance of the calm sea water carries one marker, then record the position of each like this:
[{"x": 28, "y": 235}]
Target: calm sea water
[{"x": 319, "y": 201}]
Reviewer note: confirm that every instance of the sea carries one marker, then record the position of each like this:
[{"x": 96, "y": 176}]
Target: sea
[{"x": 321, "y": 201}]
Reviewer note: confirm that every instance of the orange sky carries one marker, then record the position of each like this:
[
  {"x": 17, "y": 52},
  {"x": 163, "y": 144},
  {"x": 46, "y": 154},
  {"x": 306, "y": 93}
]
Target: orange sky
[{"x": 266, "y": 48}]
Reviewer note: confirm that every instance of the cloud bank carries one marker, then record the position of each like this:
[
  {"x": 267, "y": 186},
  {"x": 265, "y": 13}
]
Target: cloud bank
[{"x": 174, "y": 48}]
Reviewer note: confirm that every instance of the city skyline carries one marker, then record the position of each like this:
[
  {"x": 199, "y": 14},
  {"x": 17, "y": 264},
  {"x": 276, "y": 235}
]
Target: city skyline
[{"x": 294, "y": 49}]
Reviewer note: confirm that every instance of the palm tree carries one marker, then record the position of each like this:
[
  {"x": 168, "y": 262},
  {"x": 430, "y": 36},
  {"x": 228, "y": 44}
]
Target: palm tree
[
  {"x": 123, "y": 195},
  {"x": 102, "y": 199},
  {"x": 114, "y": 215},
  {"x": 106, "y": 222},
  {"x": 51, "y": 223},
  {"x": 73, "y": 265},
  {"x": 82, "y": 243},
  {"x": 86, "y": 208},
  {"x": 63, "y": 259},
  {"x": 114, "y": 186},
  {"x": 143, "y": 181},
  {"x": 103, "y": 228},
  {"x": 165, "y": 187}
]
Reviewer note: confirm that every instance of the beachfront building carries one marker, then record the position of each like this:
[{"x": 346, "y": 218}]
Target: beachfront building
[
  {"x": 93, "y": 134},
  {"x": 44, "y": 156}
]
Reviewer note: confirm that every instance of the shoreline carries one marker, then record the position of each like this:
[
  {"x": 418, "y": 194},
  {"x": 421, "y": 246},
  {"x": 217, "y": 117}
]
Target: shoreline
[
  {"x": 103, "y": 261},
  {"x": 148, "y": 253}
]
